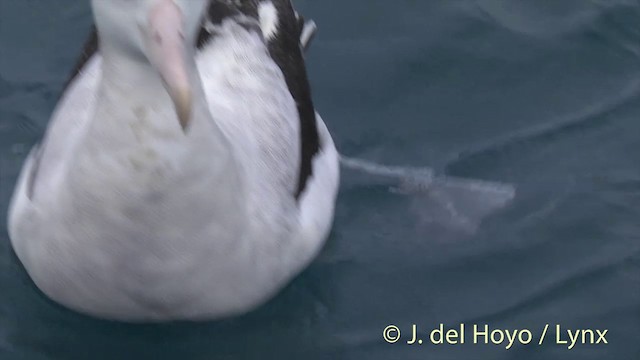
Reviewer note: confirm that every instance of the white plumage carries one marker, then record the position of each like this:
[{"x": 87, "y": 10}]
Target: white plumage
[{"x": 122, "y": 214}]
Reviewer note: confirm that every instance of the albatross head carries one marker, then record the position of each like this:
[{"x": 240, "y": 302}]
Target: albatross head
[{"x": 161, "y": 32}]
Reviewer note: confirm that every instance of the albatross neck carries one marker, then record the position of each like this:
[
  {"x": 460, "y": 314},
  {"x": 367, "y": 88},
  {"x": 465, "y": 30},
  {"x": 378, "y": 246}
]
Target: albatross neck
[
  {"x": 130, "y": 73},
  {"x": 129, "y": 78},
  {"x": 130, "y": 83}
]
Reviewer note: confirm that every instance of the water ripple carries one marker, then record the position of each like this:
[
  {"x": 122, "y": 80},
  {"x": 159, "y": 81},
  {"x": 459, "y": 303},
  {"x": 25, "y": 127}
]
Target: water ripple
[{"x": 587, "y": 119}]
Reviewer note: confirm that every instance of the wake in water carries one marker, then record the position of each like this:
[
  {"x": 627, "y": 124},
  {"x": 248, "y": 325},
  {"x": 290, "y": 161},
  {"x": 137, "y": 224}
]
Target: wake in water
[{"x": 450, "y": 201}]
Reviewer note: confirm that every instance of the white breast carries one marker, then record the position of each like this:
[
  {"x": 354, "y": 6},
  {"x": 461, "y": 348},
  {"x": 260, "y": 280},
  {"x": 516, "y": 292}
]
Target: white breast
[{"x": 111, "y": 266}]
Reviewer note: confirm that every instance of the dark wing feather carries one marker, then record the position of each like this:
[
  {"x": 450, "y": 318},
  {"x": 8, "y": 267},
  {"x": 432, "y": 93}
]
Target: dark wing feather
[{"x": 286, "y": 51}]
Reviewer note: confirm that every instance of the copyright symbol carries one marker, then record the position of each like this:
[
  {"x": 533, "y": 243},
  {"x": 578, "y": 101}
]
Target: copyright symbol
[{"x": 391, "y": 334}]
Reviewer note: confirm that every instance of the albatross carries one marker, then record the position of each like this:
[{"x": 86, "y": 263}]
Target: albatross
[{"x": 184, "y": 174}]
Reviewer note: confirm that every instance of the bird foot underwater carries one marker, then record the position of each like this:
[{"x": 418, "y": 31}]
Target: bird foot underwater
[{"x": 452, "y": 201}]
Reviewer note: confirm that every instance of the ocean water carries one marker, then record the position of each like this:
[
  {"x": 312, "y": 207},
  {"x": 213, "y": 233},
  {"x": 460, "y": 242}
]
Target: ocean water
[{"x": 544, "y": 95}]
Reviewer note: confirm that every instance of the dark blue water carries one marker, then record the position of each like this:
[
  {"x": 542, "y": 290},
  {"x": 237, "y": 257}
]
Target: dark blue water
[{"x": 541, "y": 94}]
